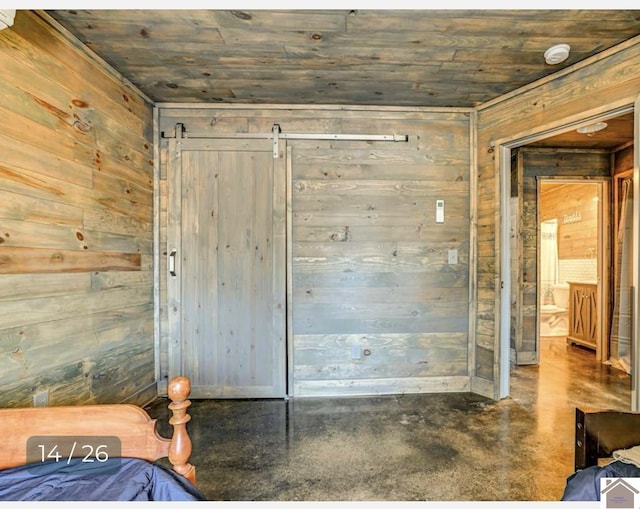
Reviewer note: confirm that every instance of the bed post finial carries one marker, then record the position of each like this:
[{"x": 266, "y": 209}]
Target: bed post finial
[{"x": 180, "y": 447}]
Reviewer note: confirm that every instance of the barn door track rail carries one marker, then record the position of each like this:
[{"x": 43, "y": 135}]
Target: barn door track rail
[{"x": 276, "y": 134}]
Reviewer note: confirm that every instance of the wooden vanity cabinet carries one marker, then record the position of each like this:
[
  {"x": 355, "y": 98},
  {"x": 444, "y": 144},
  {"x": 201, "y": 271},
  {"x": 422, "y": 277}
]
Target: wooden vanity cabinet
[{"x": 583, "y": 314}]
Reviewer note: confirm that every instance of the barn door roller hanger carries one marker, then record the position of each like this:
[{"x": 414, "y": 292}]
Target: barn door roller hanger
[{"x": 276, "y": 134}]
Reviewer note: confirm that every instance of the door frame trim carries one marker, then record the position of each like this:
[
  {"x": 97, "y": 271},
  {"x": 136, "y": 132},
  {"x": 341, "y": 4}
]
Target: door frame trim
[{"x": 289, "y": 272}]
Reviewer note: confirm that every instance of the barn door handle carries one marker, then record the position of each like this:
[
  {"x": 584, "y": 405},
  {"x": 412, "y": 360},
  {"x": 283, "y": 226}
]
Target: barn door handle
[{"x": 172, "y": 263}]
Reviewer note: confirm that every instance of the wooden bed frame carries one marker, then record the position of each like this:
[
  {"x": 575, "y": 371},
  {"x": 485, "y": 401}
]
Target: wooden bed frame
[
  {"x": 599, "y": 433},
  {"x": 134, "y": 428}
]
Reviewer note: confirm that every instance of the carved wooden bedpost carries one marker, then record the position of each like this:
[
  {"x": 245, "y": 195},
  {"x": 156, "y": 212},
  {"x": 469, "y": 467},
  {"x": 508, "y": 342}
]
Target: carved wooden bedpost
[{"x": 180, "y": 447}]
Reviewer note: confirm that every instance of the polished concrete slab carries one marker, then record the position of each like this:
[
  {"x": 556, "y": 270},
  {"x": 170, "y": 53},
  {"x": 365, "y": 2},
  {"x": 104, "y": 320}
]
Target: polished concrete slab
[{"x": 432, "y": 447}]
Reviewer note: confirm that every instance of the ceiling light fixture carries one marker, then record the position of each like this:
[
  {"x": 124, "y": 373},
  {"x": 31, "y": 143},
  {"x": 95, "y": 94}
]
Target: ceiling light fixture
[
  {"x": 556, "y": 54},
  {"x": 592, "y": 128}
]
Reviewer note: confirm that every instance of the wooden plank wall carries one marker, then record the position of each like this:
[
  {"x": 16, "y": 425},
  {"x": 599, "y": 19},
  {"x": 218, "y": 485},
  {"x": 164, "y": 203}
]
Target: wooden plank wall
[
  {"x": 76, "y": 236},
  {"x": 577, "y": 214},
  {"x": 577, "y": 237},
  {"x": 596, "y": 85},
  {"x": 369, "y": 263},
  {"x": 623, "y": 159}
]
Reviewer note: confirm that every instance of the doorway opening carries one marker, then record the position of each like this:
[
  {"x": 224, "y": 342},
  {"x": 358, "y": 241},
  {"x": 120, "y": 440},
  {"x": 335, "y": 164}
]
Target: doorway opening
[
  {"x": 519, "y": 277},
  {"x": 553, "y": 290},
  {"x": 571, "y": 249}
]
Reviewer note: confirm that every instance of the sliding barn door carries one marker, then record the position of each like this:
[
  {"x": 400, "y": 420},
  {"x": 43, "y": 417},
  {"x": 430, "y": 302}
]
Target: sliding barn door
[{"x": 226, "y": 261}]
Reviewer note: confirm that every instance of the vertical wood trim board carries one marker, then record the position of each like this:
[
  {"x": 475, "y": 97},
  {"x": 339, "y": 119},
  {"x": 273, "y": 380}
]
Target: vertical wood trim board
[
  {"x": 473, "y": 244},
  {"x": 289, "y": 267}
]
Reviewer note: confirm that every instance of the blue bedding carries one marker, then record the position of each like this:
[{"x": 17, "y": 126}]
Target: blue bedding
[
  {"x": 584, "y": 485},
  {"x": 117, "y": 479}
]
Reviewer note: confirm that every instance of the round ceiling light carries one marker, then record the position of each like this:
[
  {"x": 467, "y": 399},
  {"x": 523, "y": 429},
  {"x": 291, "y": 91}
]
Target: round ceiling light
[
  {"x": 592, "y": 128},
  {"x": 556, "y": 54}
]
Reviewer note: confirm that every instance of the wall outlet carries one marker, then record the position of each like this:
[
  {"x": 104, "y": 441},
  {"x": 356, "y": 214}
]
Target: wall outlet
[{"x": 41, "y": 398}]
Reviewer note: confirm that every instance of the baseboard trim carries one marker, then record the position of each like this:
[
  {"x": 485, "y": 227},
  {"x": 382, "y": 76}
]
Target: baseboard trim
[
  {"x": 382, "y": 386},
  {"x": 144, "y": 396},
  {"x": 483, "y": 387}
]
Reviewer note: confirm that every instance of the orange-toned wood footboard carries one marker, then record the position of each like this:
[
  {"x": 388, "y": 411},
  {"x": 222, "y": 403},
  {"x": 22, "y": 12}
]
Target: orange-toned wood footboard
[{"x": 136, "y": 431}]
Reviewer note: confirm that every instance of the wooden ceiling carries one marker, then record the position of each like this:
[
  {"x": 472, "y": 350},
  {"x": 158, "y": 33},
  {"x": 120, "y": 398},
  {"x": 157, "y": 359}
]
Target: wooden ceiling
[
  {"x": 378, "y": 57},
  {"x": 409, "y": 57}
]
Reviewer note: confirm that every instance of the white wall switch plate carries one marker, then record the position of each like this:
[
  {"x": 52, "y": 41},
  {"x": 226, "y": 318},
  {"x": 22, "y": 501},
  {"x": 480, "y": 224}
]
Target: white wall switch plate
[{"x": 452, "y": 256}]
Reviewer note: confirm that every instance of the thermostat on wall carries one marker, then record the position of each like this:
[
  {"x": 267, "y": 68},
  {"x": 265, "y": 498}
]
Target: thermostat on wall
[{"x": 439, "y": 211}]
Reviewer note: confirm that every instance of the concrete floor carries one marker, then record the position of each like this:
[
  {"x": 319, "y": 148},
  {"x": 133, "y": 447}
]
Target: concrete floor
[{"x": 433, "y": 447}]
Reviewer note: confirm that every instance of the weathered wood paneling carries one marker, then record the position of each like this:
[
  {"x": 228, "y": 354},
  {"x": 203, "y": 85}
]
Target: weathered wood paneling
[
  {"x": 368, "y": 261},
  {"x": 230, "y": 324},
  {"x": 594, "y": 86},
  {"x": 623, "y": 159},
  {"x": 427, "y": 56},
  {"x": 76, "y": 168},
  {"x": 577, "y": 213}
]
